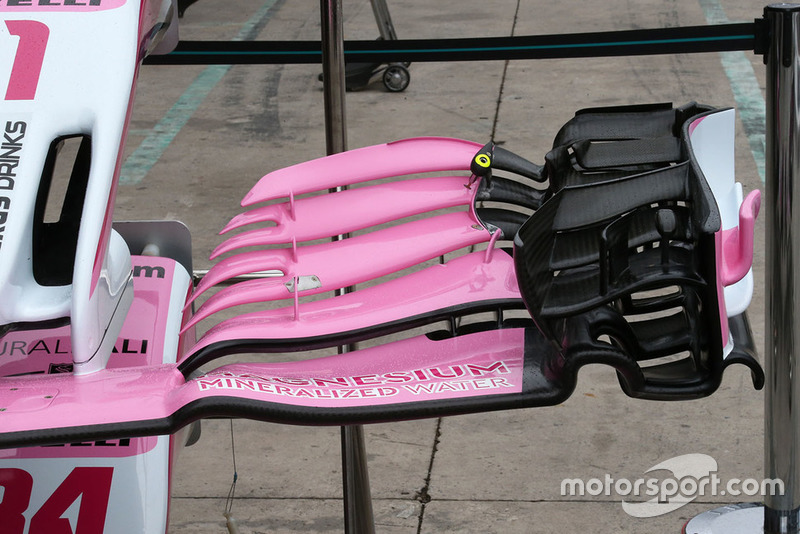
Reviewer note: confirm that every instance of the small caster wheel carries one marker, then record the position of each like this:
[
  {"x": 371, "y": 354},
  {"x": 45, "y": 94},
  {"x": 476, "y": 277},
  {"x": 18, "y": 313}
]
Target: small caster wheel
[{"x": 396, "y": 78}]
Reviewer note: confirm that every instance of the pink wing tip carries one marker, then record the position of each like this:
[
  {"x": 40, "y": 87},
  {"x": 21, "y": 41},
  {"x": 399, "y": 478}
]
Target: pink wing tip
[
  {"x": 738, "y": 241},
  {"x": 752, "y": 203},
  {"x": 219, "y": 250}
]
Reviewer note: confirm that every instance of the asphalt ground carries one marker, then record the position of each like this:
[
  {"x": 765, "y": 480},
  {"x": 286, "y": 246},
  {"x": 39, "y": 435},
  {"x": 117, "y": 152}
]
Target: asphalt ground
[{"x": 202, "y": 135}]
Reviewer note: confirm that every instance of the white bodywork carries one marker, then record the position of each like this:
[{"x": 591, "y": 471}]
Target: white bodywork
[{"x": 70, "y": 70}]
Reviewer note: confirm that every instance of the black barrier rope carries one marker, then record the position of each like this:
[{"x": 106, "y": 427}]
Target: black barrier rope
[{"x": 689, "y": 39}]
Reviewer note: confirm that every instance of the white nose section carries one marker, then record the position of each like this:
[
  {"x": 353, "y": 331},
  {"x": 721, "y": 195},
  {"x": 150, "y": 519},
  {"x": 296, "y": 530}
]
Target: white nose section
[{"x": 92, "y": 288}]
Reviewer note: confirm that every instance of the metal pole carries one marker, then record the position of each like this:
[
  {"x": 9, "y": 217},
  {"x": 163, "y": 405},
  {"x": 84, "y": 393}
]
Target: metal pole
[
  {"x": 333, "y": 76},
  {"x": 780, "y": 513},
  {"x": 358, "y": 517},
  {"x": 384, "y": 20},
  {"x": 781, "y": 426}
]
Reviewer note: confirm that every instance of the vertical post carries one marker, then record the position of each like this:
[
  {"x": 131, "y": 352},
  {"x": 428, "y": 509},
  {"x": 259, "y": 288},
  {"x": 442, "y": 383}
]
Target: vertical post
[
  {"x": 333, "y": 88},
  {"x": 780, "y": 513},
  {"x": 782, "y": 403},
  {"x": 358, "y": 517}
]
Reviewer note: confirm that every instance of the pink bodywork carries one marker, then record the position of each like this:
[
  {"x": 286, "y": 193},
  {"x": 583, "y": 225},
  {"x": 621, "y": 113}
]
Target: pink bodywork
[
  {"x": 464, "y": 280},
  {"x": 35, "y": 365},
  {"x": 413, "y": 370},
  {"x": 408, "y": 156},
  {"x": 364, "y": 257},
  {"x": 50, "y": 7}
]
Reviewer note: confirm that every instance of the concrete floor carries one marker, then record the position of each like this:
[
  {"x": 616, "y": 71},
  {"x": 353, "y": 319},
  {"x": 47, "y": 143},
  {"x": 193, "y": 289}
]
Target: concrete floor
[{"x": 201, "y": 136}]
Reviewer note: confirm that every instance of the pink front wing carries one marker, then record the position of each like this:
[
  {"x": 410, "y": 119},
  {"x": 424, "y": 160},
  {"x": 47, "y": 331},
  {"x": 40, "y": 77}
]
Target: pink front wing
[
  {"x": 157, "y": 399},
  {"x": 408, "y": 156},
  {"x": 464, "y": 280},
  {"x": 343, "y": 212}
]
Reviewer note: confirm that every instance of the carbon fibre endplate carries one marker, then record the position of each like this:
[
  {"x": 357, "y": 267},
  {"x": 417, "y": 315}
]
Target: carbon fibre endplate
[{"x": 623, "y": 263}]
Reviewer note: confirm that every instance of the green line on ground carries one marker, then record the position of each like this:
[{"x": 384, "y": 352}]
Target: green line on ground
[{"x": 158, "y": 140}]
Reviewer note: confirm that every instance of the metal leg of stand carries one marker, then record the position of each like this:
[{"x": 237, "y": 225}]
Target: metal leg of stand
[
  {"x": 358, "y": 502},
  {"x": 333, "y": 87},
  {"x": 779, "y": 514},
  {"x": 384, "y": 20},
  {"x": 355, "y": 474},
  {"x": 782, "y": 423}
]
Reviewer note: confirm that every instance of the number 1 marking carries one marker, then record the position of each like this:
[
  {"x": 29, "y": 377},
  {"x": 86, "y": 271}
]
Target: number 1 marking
[{"x": 28, "y": 61}]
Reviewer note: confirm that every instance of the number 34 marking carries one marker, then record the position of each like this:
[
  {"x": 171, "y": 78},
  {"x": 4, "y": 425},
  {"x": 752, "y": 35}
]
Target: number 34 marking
[
  {"x": 91, "y": 484},
  {"x": 28, "y": 60}
]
